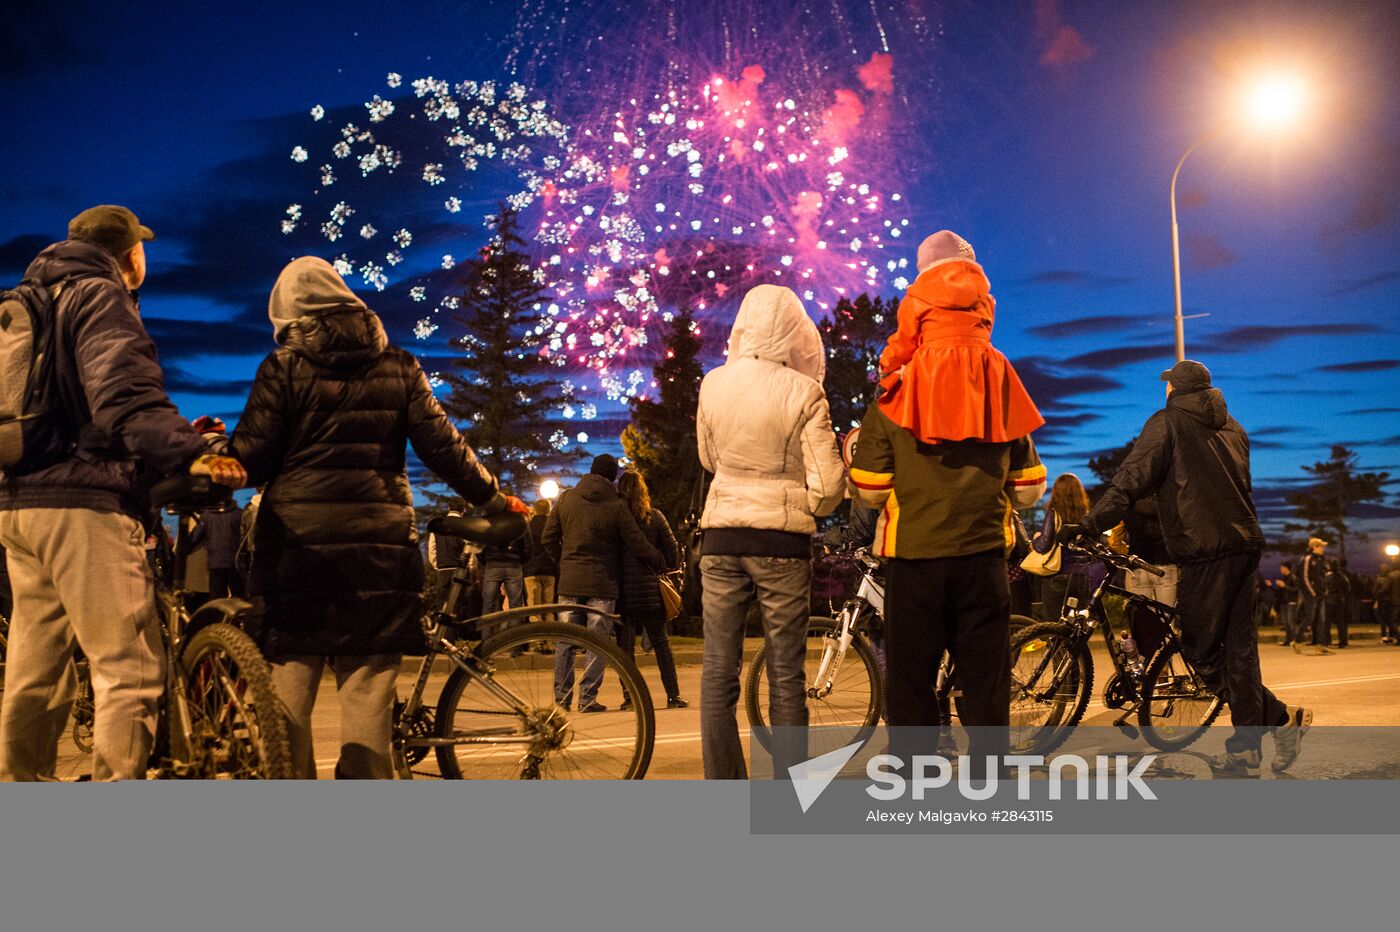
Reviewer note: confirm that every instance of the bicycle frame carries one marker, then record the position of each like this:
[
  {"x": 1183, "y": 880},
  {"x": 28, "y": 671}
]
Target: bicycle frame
[
  {"x": 466, "y": 659},
  {"x": 1084, "y": 620},
  {"x": 870, "y": 593}
]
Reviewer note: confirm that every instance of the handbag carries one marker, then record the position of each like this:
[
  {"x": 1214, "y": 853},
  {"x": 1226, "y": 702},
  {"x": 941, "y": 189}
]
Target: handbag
[
  {"x": 670, "y": 598},
  {"x": 1044, "y": 564}
]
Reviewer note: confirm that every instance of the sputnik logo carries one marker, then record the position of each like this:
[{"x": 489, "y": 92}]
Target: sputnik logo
[{"x": 811, "y": 777}]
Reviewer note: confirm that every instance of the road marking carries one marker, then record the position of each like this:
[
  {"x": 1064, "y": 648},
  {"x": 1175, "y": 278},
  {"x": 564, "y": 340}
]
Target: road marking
[{"x": 691, "y": 736}]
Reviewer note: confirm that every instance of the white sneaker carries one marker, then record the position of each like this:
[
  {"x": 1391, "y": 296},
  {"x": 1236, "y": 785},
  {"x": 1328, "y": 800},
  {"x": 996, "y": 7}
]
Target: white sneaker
[{"x": 1288, "y": 738}]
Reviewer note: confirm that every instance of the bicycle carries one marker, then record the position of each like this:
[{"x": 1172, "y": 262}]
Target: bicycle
[
  {"x": 1053, "y": 669},
  {"x": 218, "y": 716},
  {"x": 503, "y": 713},
  {"x": 841, "y": 694}
]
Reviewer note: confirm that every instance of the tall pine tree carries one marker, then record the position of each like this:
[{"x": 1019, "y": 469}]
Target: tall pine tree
[
  {"x": 660, "y": 440},
  {"x": 854, "y": 335},
  {"x": 1337, "y": 488},
  {"x": 503, "y": 393}
]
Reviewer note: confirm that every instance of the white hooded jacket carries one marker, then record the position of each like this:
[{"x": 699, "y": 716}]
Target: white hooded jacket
[{"x": 764, "y": 427}]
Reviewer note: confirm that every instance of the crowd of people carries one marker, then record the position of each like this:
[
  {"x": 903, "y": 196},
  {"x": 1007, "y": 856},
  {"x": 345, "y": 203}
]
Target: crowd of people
[{"x": 330, "y": 547}]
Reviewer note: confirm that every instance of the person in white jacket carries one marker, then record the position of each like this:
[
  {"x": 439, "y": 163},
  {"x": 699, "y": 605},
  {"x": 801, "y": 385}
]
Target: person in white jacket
[{"x": 764, "y": 431}]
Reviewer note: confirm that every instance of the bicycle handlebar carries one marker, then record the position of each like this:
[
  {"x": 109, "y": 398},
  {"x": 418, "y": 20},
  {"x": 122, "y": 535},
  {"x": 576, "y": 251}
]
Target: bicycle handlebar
[{"x": 1100, "y": 552}]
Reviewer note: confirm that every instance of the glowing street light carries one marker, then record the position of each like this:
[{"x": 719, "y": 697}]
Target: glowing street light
[
  {"x": 549, "y": 489},
  {"x": 1392, "y": 550},
  {"x": 1271, "y": 103}
]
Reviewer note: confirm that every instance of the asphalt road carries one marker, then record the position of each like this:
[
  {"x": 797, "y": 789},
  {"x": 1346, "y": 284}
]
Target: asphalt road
[{"x": 1357, "y": 686}]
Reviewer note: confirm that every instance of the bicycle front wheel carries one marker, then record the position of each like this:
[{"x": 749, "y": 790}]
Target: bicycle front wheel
[
  {"x": 238, "y": 728},
  {"x": 547, "y": 701},
  {"x": 1052, "y": 674},
  {"x": 853, "y": 702},
  {"x": 1176, "y": 706}
]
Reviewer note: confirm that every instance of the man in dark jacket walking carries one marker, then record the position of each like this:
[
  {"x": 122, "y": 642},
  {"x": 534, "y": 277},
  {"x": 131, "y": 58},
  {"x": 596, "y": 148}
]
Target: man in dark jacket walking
[
  {"x": 72, "y": 526},
  {"x": 1195, "y": 456},
  {"x": 586, "y": 535}
]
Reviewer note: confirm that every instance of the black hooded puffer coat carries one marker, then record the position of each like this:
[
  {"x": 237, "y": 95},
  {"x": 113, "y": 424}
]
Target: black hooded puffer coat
[
  {"x": 336, "y": 546},
  {"x": 1195, "y": 456}
]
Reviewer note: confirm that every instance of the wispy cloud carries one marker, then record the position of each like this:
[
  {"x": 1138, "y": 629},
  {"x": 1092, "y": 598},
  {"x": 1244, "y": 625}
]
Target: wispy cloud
[
  {"x": 16, "y": 254},
  {"x": 1049, "y": 386},
  {"x": 1368, "y": 365},
  {"x": 1077, "y": 277},
  {"x": 32, "y": 44},
  {"x": 1202, "y": 251},
  {"x": 1362, "y": 284},
  {"x": 1240, "y": 339},
  {"x": 1062, "y": 46},
  {"x": 1116, "y": 357},
  {"x": 1377, "y": 205},
  {"x": 1099, "y": 323}
]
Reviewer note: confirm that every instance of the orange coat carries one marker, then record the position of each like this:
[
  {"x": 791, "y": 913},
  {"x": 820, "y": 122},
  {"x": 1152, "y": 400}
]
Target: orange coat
[{"x": 944, "y": 380}]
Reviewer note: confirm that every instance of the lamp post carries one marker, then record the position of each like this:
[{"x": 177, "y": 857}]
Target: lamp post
[
  {"x": 1178, "y": 320},
  {"x": 1273, "y": 102}
]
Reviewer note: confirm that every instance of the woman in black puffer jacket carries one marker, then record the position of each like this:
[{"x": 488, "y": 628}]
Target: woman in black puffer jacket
[
  {"x": 641, "y": 594},
  {"x": 337, "y": 560}
]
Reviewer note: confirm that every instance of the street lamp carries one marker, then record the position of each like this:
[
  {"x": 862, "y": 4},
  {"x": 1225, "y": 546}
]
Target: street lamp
[
  {"x": 549, "y": 489},
  {"x": 1392, "y": 550},
  {"x": 1271, "y": 103}
]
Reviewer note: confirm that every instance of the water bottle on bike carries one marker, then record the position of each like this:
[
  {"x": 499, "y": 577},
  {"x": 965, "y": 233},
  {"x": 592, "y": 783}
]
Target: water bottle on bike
[{"x": 1132, "y": 657}]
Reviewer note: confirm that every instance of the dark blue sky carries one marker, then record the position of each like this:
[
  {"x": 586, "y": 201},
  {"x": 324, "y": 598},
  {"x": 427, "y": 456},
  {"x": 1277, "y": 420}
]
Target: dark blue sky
[{"x": 1045, "y": 133}]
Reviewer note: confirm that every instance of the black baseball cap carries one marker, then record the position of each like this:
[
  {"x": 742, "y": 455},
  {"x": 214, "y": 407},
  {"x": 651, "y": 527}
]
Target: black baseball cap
[
  {"x": 109, "y": 226},
  {"x": 1187, "y": 376}
]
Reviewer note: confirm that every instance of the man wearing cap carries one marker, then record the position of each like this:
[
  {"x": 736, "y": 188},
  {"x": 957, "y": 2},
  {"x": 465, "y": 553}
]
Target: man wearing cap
[
  {"x": 71, "y": 522},
  {"x": 1312, "y": 590},
  {"x": 1195, "y": 457}
]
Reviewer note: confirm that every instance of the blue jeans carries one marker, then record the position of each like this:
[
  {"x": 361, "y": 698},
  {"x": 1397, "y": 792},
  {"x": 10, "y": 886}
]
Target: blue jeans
[
  {"x": 494, "y": 576},
  {"x": 731, "y": 585},
  {"x": 564, "y": 654},
  {"x": 1288, "y": 618}
]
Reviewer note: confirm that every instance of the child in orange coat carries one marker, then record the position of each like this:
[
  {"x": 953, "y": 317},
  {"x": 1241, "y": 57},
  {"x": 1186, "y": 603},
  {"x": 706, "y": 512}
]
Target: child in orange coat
[{"x": 943, "y": 379}]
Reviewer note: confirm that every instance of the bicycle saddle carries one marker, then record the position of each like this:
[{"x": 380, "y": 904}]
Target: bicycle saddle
[
  {"x": 499, "y": 529},
  {"x": 190, "y": 493}
]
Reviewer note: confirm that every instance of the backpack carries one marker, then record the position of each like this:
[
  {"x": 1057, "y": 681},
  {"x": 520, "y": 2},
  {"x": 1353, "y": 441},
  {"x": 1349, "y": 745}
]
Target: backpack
[{"x": 34, "y": 432}]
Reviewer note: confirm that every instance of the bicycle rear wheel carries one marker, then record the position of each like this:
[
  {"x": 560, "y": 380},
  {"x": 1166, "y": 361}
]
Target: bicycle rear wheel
[
  {"x": 238, "y": 727},
  {"x": 1052, "y": 674},
  {"x": 519, "y": 722},
  {"x": 1176, "y": 706},
  {"x": 854, "y": 702}
]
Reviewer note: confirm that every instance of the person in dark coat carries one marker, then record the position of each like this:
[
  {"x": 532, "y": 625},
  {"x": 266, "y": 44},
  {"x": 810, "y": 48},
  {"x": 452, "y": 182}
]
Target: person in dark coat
[
  {"x": 642, "y": 607},
  {"x": 1195, "y": 456},
  {"x": 586, "y": 534},
  {"x": 503, "y": 575},
  {"x": 1312, "y": 591},
  {"x": 338, "y": 564},
  {"x": 220, "y": 530}
]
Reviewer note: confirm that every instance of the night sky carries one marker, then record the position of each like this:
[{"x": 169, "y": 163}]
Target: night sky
[{"x": 1044, "y": 133}]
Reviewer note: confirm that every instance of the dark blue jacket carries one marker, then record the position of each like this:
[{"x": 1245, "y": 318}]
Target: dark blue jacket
[
  {"x": 222, "y": 531},
  {"x": 125, "y": 428}
]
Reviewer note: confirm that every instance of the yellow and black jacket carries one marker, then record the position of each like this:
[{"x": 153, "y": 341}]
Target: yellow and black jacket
[{"x": 947, "y": 499}]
